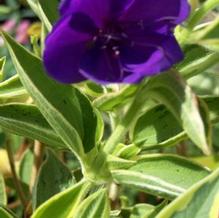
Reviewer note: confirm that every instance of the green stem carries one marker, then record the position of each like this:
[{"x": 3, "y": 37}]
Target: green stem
[
  {"x": 126, "y": 122},
  {"x": 17, "y": 183},
  {"x": 38, "y": 158},
  {"x": 202, "y": 12},
  {"x": 197, "y": 67}
]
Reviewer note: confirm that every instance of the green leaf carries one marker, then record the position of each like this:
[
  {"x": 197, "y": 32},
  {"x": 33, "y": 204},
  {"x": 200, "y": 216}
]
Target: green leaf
[
  {"x": 68, "y": 111},
  {"x": 99, "y": 127},
  {"x": 12, "y": 88},
  {"x": 171, "y": 90},
  {"x": 211, "y": 44},
  {"x": 139, "y": 211},
  {"x": 2, "y": 64},
  {"x": 162, "y": 175},
  {"x": 205, "y": 84},
  {"x": 96, "y": 205},
  {"x": 3, "y": 196},
  {"x": 201, "y": 200},
  {"x": 126, "y": 151},
  {"x": 58, "y": 103},
  {"x": 157, "y": 128},
  {"x": 25, "y": 166},
  {"x": 201, "y": 12},
  {"x": 5, "y": 213},
  {"x": 92, "y": 125},
  {"x": 33, "y": 5},
  {"x": 210, "y": 162},
  {"x": 213, "y": 105},
  {"x": 110, "y": 101},
  {"x": 64, "y": 204},
  {"x": 119, "y": 163},
  {"x": 196, "y": 62},
  {"x": 205, "y": 32},
  {"x": 93, "y": 89},
  {"x": 53, "y": 178},
  {"x": 26, "y": 120},
  {"x": 50, "y": 9},
  {"x": 38, "y": 10},
  {"x": 142, "y": 211}
]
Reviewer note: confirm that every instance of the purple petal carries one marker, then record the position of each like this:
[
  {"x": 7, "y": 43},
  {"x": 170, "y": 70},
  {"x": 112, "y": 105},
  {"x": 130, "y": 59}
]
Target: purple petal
[
  {"x": 175, "y": 11},
  {"x": 97, "y": 10},
  {"x": 101, "y": 11},
  {"x": 149, "y": 56},
  {"x": 63, "y": 52}
]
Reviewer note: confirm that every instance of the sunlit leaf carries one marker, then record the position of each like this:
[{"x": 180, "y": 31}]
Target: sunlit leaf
[
  {"x": 64, "y": 204},
  {"x": 161, "y": 175},
  {"x": 201, "y": 200},
  {"x": 96, "y": 205},
  {"x": 177, "y": 96},
  {"x": 26, "y": 120},
  {"x": 61, "y": 108}
]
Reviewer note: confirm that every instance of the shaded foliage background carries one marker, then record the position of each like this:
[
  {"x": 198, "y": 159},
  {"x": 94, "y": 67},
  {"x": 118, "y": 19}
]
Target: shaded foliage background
[{"x": 150, "y": 153}]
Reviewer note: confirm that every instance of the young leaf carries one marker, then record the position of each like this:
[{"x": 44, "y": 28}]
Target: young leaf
[
  {"x": 126, "y": 151},
  {"x": 96, "y": 205},
  {"x": 119, "y": 163},
  {"x": 26, "y": 120},
  {"x": 12, "y": 88},
  {"x": 3, "y": 196},
  {"x": 64, "y": 204},
  {"x": 171, "y": 90},
  {"x": 201, "y": 200},
  {"x": 53, "y": 178},
  {"x": 58, "y": 103},
  {"x": 161, "y": 175}
]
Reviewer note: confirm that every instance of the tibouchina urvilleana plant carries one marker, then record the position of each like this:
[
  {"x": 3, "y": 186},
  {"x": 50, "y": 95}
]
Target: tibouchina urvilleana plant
[{"x": 111, "y": 110}]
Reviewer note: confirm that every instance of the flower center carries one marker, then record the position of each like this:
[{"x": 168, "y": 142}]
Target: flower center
[{"x": 110, "y": 38}]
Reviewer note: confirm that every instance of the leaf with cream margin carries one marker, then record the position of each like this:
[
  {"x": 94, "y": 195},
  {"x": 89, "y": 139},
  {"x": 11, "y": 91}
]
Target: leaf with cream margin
[
  {"x": 95, "y": 206},
  {"x": 162, "y": 175},
  {"x": 200, "y": 201},
  {"x": 64, "y": 204},
  {"x": 172, "y": 91},
  {"x": 26, "y": 120}
]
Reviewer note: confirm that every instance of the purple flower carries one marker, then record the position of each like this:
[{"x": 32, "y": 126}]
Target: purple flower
[{"x": 114, "y": 40}]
